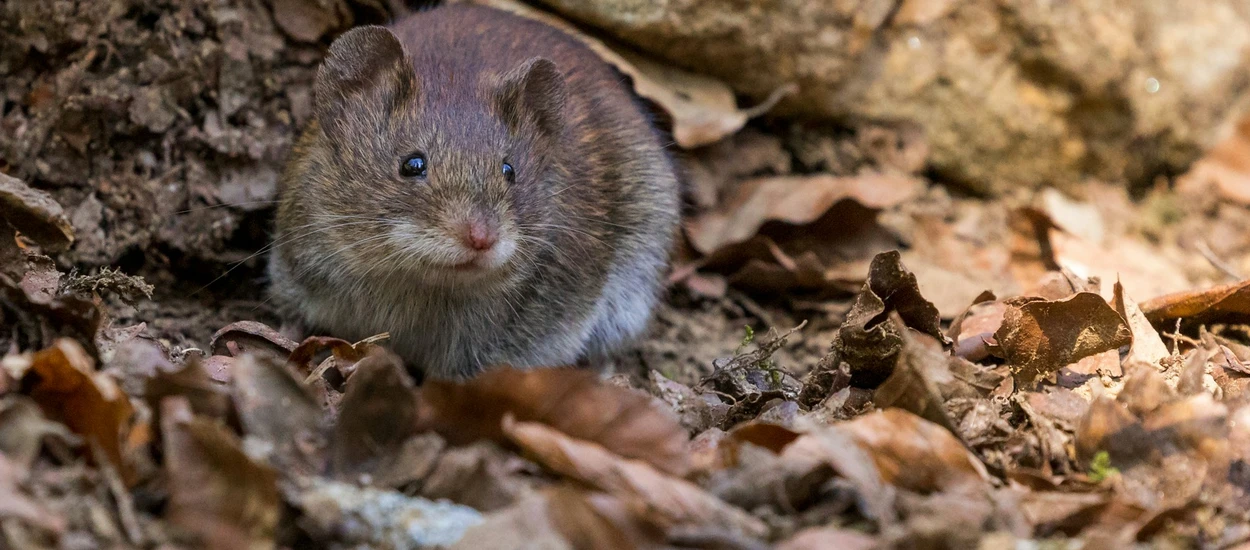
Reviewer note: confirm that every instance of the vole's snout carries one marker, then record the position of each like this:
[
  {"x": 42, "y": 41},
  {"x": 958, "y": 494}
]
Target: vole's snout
[{"x": 479, "y": 235}]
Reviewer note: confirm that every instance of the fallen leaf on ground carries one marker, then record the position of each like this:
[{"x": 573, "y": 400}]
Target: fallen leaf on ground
[
  {"x": 677, "y": 501},
  {"x": 241, "y": 337},
  {"x": 24, "y": 430},
  {"x": 1147, "y": 346},
  {"x": 276, "y": 409},
  {"x": 377, "y": 416},
  {"x": 1038, "y": 337},
  {"x": 35, "y": 214},
  {"x": 65, "y": 384},
  {"x": 915, "y": 385},
  {"x": 866, "y": 342},
  {"x": 215, "y": 490},
  {"x": 837, "y": 449},
  {"x": 915, "y": 454},
  {"x": 572, "y": 401},
  {"x": 1217, "y": 303},
  {"x": 795, "y": 200}
]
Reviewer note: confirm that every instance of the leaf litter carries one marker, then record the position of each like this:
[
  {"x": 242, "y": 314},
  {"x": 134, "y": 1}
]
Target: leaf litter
[{"x": 962, "y": 371}]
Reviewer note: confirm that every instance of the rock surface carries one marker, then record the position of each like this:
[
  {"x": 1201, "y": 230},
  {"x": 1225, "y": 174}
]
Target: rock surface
[{"x": 1010, "y": 92}]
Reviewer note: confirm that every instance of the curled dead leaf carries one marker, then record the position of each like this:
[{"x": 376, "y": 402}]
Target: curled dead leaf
[
  {"x": 35, "y": 214},
  {"x": 573, "y": 401},
  {"x": 64, "y": 382},
  {"x": 376, "y": 418},
  {"x": 677, "y": 501},
  {"x": 795, "y": 200},
  {"x": 916, "y": 454},
  {"x": 1226, "y": 302},
  {"x": 275, "y": 408},
  {"x": 1038, "y": 337},
  {"x": 215, "y": 490},
  {"x": 240, "y": 337},
  {"x": 866, "y": 342}
]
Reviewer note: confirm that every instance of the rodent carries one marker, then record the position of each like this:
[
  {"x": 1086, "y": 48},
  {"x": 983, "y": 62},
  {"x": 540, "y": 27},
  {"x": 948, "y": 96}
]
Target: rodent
[{"x": 481, "y": 186}]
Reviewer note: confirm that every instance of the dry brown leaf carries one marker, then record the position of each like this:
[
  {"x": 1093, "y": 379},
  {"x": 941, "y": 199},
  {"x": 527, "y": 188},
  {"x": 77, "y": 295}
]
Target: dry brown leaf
[
  {"x": 703, "y": 109},
  {"x": 795, "y": 200},
  {"x": 65, "y": 384},
  {"x": 676, "y": 501},
  {"x": 865, "y": 342},
  {"x": 241, "y": 337},
  {"x": 1148, "y": 347},
  {"x": 377, "y": 416},
  {"x": 915, "y": 454},
  {"x": 838, "y": 449},
  {"x": 1038, "y": 337},
  {"x": 215, "y": 490},
  {"x": 573, "y": 401},
  {"x": 35, "y": 214},
  {"x": 275, "y": 408},
  {"x": 915, "y": 385},
  {"x": 483, "y": 475},
  {"x": 525, "y": 525},
  {"x": 1221, "y": 302}
]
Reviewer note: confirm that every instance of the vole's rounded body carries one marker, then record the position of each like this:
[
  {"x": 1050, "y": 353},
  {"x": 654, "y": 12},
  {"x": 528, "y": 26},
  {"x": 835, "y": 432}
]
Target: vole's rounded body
[{"x": 467, "y": 263}]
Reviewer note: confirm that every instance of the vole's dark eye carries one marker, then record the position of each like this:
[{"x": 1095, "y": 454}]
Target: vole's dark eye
[
  {"x": 508, "y": 173},
  {"x": 413, "y": 166}
]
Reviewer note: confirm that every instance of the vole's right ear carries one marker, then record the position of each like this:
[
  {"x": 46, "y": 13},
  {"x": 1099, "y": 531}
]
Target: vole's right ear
[{"x": 359, "y": 60}]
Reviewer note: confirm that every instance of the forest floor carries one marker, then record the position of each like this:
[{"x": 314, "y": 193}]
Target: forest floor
[{"x": 853, "y": 352}]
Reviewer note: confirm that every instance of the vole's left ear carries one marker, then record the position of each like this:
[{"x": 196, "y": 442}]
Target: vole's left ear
[{"x": 533, "y": 94}]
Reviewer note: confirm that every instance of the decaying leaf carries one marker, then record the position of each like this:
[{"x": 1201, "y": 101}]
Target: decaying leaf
[
  {"x": 1038, "y": 337},
  {"x": 215, "y": 490},
  {"x": 64, "y": 382},
  {"x": 276, "y": 409},
  {"x": 35, "y": 214},
  {"x": 678, "y": 502},
  {"x": 866, "y": 342},
  {"x": 1226, "y": 302},
  {"x": 24, "y": 430},
  {"x": 573, "y": 401},
  {"x": 377, "y": 416},
  {"x": 241, "y": 337},
  {"x": 1148, "y": 347},
  {"x": 914, "y": 386},
  {"x": 837, "y": 449},
  {"x": 795, "y": 200},
  {"x": 915, "y": 454}
]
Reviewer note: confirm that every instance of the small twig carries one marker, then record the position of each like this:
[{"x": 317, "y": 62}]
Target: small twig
[{"x": 1216, "y": 261}]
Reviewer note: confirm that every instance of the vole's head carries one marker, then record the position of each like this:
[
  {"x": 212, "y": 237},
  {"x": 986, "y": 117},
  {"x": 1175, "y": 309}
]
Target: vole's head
[{"x": 448, "y": 176}]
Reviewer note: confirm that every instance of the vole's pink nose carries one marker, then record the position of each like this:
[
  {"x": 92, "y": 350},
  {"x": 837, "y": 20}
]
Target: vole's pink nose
[{"x": 479, "y": 236}]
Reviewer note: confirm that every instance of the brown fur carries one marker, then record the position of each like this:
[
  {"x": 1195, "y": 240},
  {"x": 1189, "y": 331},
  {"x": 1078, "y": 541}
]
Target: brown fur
[{"x": 592, "y": 211}]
